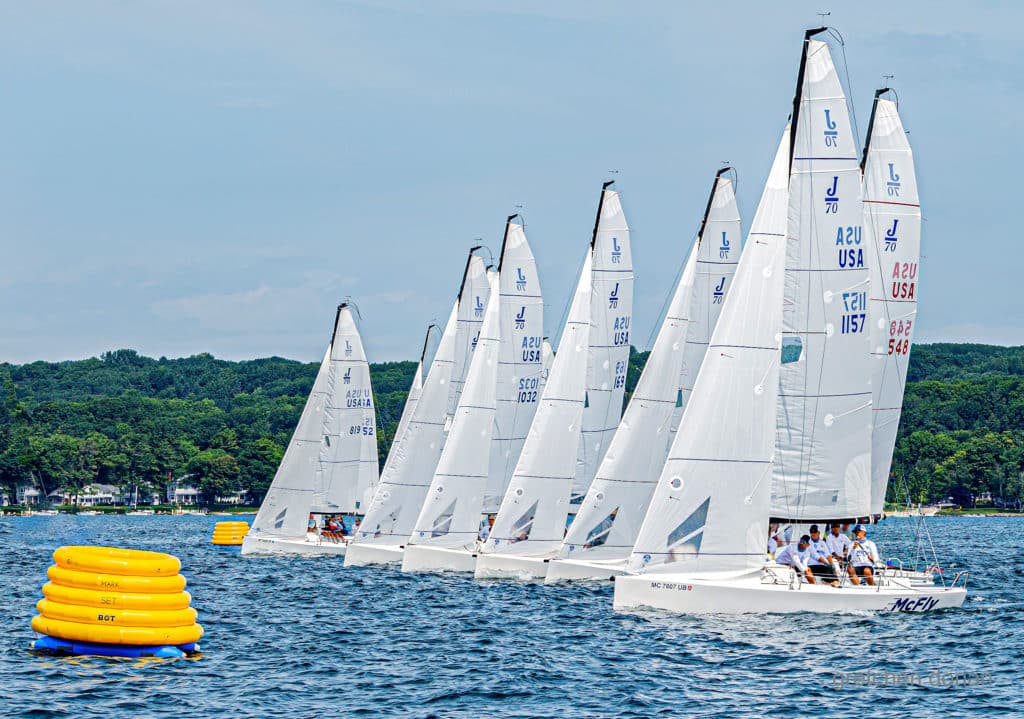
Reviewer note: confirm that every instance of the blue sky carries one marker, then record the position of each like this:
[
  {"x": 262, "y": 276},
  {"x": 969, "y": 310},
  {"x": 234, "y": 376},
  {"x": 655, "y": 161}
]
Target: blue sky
[{"x": 181, "y": 177}]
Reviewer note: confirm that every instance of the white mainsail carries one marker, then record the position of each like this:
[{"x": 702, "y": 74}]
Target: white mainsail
[
  {"x": 718, "y": 252},
  {"x": 285, "y": 509},
  {"x": 452, "y": 510},
  {"x": 348, "y": 469},
  {"x": 403, "y": 484},
  {"x": 709, "y": 511},
  {"x": 520, "y": 367},
  {"x": 892, "y": 222},
  {"x": 411, "y": 399},
  {"x": 533, "y": 511},
  {"x": 823, "y": 467},
  {"x": 611, "y": 313},
  {"x": 475, "y": 289},
  {"x": 609, "y": 518}
]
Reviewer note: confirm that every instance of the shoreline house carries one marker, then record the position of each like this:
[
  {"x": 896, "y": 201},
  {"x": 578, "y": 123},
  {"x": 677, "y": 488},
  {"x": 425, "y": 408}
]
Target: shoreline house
[
  {"x": 180, "y": 492},
  {"x": 27, "y": 495}
]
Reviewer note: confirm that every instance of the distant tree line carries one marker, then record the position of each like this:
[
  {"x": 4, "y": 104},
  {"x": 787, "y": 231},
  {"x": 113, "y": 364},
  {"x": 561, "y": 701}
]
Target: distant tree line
[{"x": 128, "y": 420}]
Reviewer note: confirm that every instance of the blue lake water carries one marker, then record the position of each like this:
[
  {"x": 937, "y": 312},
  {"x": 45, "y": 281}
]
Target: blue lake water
[{"x": 304, "y": 637}]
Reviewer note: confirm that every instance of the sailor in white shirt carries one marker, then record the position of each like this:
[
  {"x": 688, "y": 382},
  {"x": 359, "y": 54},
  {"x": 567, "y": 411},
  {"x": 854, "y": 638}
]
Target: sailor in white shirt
[
  {"x": 797, "y": 556},
  {"x": 822, "y": 564},
  {"x": 838, "y": 543},
  {"x": 863, "y": 557}
]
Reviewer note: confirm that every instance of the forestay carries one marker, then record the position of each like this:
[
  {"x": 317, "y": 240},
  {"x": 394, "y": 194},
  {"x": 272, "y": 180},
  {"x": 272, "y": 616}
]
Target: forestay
[
  {"x": 718, "y": 250},
  {"x": 892, "y": 221},
  {"x": 611, "y": 314},
  {"x": 520, "y": 365},
  {"x": 347, "y": 472},
  {"x": 709, "y": 511},
  {"x": 609, "y": 518},
  {"x": 407, "y": 474},
  {"x": 532, "y": 516},
  {"x": 451, "y": 512},
  {"x": 823, "y": 467},
  {"x": 285, "y": 509}
]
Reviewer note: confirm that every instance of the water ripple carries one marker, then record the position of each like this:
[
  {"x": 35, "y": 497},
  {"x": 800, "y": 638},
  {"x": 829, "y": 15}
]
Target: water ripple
[{"x": 303, "y": 637}]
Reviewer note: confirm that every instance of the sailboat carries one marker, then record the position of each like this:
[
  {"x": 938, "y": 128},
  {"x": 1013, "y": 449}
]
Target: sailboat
[
  {"x": 330, "y": 465},
  {"x": 805, "y": 448},
  {"x": 506, "y": 373},
  {"x": 600, "y": 539},
  {"x": 530, "y": 523},
  {"x": 396, "y": 504}
]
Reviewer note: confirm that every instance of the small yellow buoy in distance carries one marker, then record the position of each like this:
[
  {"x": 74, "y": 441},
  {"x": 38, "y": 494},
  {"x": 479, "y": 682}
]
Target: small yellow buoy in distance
[
  {"x": 229, "y": 534},
  {"x": 115, "y": 602}
]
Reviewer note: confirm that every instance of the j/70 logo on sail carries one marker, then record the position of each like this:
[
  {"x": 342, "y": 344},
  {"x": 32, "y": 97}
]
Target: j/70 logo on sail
[
  {"x": 478, "y": 307},
  {"x": 348, "y": 348},
  {"x": 832, "y": 197},
  {"x": 521, "y": 319},
  {"x": 613, "y": 298},
  {"x": 616, "y": 251},
  {"x": 723, "y": 251},
  {"x": 719, "y": 292},
  {"x": 892, "y": 185},
  {"x": 890, "y": 235},
  {"x": 830, "y": 132},
  {"x": 520, "y": 280}
]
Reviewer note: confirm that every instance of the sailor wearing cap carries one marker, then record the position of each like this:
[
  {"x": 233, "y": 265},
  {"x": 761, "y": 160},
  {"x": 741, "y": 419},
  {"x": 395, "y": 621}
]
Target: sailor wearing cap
[
  {"x": 822, "y": 564},
  {"x": 863, "y": 556},
  {"x": 797, "y": 556}
]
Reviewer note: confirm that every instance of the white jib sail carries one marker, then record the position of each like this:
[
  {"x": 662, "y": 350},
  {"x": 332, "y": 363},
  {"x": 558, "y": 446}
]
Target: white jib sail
[
  {"x": 532, "y": 516},
  {"x": 285, "y": 509},
  {"x": 520, "y": 367},
  {"x": 710, "y": 506},
  {"x": 609, "y": 518},
  {"x": 611, "y": 314},
  {"x": 407, "y": 474},
  {"x": 472, "y": 298},
  {"x": 718, "y": 244},
  {"x": 348, "y": 466},
  {"x": 823, "y": 468},
  {"x": 892, "y": 222},
  {"x": 451, "y": 513}
]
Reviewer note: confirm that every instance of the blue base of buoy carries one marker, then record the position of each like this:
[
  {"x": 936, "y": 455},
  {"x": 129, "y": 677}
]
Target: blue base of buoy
[{"x": 65, "y": 647}]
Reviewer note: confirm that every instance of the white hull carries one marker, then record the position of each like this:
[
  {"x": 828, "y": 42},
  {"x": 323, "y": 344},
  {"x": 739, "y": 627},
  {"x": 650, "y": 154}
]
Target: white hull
[
  {"x": 291, "y": 545},
  {"x": 360, "y": 555},
  {"x": 421, "y": 558},
  {"x": 750, "y": 595},
  {"x": 576, "y": 570},
  {"x": 511, "y": 566}
]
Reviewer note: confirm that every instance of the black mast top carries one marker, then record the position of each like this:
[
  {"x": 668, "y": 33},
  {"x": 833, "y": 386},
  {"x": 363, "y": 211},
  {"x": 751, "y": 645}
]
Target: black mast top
[
  {"x": 465, "y": 272},
  {"x": 504, "y": 239},
  {"x": 600, "y": 205},
  {"x": 871, "y": 125},
  {"x": 800, "y": 88},
  {"x": 337, "y": 316},
  {"x": 711, "y": 198},
  {"x": 426, "y": 341}
]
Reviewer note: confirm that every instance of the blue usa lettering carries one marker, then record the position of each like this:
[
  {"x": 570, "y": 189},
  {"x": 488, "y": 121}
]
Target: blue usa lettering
[
  {"x": 621, "y": 330},
  {"x": 848, "y": 241},
  {"x": 531, "y": 349}
]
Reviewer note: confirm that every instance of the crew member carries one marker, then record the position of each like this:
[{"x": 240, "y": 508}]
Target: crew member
[
  {"x": 863, "y": 557},
  {"x": 797, "y": 556}
]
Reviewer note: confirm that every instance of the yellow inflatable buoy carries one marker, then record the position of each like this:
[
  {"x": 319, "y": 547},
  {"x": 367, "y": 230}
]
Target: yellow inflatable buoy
[
  {"x": 109, "y": 560},
  {"x": 115, "y": 602},
  {"x": 229, "y": 534}
]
